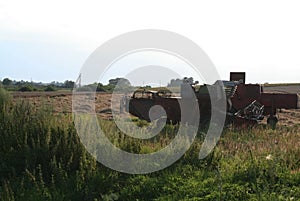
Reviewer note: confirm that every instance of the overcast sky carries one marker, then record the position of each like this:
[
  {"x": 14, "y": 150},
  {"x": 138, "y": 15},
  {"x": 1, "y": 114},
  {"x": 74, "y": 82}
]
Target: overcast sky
[{"x": 50, "y": 40}]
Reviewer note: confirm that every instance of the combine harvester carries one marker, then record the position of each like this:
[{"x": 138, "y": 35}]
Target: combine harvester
[{"x": 247, "y": 104}]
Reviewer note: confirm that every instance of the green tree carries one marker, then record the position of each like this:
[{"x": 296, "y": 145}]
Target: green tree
[
  {"x": 119, "y": 81},
  {"x": 119, "y": 84},
  {"x": 27, "y": 88},
  {"x": 6, "y": 81},
  {"x": 69, "y": 84},
  {"x": 50, "y": 88}
]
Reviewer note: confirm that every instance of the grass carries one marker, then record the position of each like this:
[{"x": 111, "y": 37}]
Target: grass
[{"x": 41, "y": 158}]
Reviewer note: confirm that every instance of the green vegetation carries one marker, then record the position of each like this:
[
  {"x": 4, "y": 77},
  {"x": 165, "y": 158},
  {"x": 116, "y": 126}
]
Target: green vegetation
[
  {"x": 41, "y": 158},
  {"x": 25, "y": 86},
  {"x": 50, "y": 88},
  {"x": 118, "y": 84}
]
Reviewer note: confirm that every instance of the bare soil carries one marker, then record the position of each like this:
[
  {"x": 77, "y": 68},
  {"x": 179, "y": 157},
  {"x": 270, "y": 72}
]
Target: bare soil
[
  {"x": 287, "y": 117},
  {"x": 295, "y": 89}
]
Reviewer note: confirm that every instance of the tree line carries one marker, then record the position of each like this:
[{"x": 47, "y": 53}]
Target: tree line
[
  {"x": 13, "y": 85},
  {"x": 119, "y": 84}
]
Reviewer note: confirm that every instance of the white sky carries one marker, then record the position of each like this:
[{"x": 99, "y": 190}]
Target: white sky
[
  {"x": 154, "y": 68},
  {"x": 50, "y": 40}
]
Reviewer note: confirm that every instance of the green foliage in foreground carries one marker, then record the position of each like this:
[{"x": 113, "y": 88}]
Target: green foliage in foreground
[{"x": 41, "y": 158}]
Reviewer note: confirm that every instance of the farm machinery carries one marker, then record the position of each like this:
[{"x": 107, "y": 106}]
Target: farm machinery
[{"x": 246, "y": 104}]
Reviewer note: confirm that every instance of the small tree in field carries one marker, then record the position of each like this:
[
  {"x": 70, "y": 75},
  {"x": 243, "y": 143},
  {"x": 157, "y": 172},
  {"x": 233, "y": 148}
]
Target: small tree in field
[
  {"x": 27, "y": 88},
  {"x": 6, "y": 81},
  {"x": 69, "y": 84}
]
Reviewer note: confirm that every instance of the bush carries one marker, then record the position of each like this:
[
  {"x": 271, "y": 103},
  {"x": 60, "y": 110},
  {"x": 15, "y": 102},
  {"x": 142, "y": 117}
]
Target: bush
[
  {"x": 4, "y": 97},
  {"x": 49, "y": 88},
  {"x": 27, "y": 88}
]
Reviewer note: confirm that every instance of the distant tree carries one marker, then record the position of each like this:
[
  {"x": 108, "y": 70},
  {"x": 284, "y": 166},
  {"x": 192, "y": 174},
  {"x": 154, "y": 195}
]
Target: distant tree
[
  {"x": 69, "y": 84},
  {"x": 18, "y": 83},
  {"x": 50, "y": 88},
  {"x": 118, "y": 84},
  {"x": 175, "y": 82},
  {"x": 27, "y": 88},
  {"x": 100, "y": 87},
  {"x": 189, "y": 80},
  {"x": 6, "y": 81},
  {"x": 119, "y": 81}
]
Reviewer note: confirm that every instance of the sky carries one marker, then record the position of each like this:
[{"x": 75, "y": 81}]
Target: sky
[{"x": 50, "y": 40}]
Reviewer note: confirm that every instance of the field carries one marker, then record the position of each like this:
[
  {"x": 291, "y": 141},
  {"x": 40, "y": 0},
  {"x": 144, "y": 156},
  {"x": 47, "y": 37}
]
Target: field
[
  {"x": 62, "y": 102},
  {"x": 287, "y": 117},
  {"x": 41, "y": 157}
]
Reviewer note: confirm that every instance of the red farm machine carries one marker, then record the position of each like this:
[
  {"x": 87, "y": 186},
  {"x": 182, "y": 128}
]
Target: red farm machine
[{"x": 247, "y": 104}]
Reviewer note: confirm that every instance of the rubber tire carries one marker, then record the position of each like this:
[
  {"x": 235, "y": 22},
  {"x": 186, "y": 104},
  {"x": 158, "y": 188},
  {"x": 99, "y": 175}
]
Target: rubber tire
[{"x": 272, "y": 121}]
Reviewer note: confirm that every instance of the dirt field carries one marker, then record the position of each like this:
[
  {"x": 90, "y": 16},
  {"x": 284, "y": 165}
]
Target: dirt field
[
  {"x": 62, "y": 102},
  {"x": 286, "y": 117},
  {"x": 283, "y": 89}
]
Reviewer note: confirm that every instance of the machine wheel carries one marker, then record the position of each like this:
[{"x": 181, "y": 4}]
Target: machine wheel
[
  {"x": 272, "y": 121},
  {"x": 230, "y": 118}
]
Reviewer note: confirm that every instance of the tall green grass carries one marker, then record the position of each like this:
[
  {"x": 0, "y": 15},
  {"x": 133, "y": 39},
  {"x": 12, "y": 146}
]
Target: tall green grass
[{"x": 41, "y": 158}]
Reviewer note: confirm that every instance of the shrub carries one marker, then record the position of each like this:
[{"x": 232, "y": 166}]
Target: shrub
[
  {"x": 4, "y": 97},
  {"x": 27, "y": 88},
  {"x": 50, "y": 88}
]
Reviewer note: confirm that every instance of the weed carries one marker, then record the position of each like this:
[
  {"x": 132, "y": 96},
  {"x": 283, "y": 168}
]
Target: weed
[{"x": 42, "y": 158}]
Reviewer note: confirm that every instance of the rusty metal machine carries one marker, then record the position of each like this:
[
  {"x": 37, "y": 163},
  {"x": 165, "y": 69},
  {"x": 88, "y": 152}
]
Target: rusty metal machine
[{"x": 247, "y": 104}]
